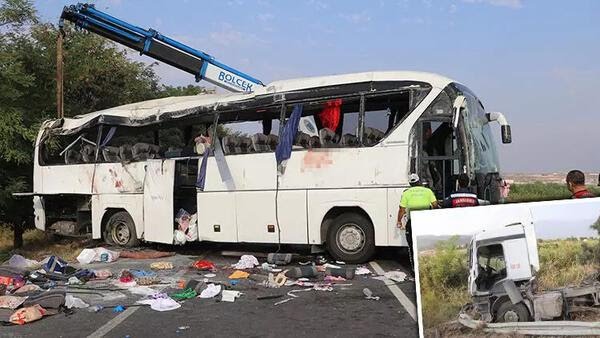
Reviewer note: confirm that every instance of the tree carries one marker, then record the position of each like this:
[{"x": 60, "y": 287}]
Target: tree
[
  {"x": 97, "y": 75},
  {"x": 596, "y": 225}
]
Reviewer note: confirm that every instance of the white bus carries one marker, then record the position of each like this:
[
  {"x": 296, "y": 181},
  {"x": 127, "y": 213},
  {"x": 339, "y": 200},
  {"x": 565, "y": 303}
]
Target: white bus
[{"x": 123, "y": 173}]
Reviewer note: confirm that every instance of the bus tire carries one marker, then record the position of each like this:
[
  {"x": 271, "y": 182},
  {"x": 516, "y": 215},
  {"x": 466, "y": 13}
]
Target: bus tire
[
  {"x": 509, "y": 312},
  {"x": 120, "y": 230},
  {"x": 350, "y": 238}
]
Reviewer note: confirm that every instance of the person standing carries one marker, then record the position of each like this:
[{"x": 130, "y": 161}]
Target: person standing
[
  {"x": 463, "y": 197},
  {"x": 576, "y": 185},
  {"x": 417, "y": 197}
]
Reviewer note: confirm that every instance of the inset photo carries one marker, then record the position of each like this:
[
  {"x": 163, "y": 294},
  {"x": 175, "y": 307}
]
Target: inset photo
[{"x": 525, "y": 268}]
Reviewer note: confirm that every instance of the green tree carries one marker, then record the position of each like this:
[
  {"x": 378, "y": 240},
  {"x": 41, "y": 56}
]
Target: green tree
[{"x": 97, "y": 75}]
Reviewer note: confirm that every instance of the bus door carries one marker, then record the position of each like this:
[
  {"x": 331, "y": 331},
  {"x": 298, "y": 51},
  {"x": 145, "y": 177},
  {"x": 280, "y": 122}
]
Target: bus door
[
  {"x": 439, "y": 162},
  {"x": 158, "y": 201}
]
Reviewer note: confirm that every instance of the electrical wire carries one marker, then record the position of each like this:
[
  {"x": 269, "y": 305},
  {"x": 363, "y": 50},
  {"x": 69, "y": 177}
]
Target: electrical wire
[{"x": 277, "y": 215}]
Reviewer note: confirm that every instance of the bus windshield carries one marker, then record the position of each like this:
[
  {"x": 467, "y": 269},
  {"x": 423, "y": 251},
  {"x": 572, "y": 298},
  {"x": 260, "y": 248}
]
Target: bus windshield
[{"x": 485, "y": 156}]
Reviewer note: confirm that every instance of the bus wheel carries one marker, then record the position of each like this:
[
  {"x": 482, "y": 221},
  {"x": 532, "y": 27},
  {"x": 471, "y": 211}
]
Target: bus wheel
[
  {"x": 120, "y": 230},
  {"x": 509, "y": 312},
  {"x": 350, "y": 238}
]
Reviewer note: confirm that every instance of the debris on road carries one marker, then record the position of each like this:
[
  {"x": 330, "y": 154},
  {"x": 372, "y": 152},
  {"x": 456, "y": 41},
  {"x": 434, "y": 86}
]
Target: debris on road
[
  {"x": 246, "y": 262},
  {"x": 161, "y": 266},
  {"x": 238, "y": 274},
  {"x": 369, "y": 294},
  {"x": 54, "y": 287},
  {"x": 211, "y": 291},
  {"x": 99, "y": 254}
]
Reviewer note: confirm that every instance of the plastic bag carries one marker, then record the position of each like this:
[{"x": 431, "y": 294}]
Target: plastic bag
[
  {"x": 19, "y": 261},
  {"x": 183, "y": 220},
  {"x": 179, "y": 237},
  {"x": 27, "y": 315},
  {"x": 74, "y": 302},
  {"x": 192, "y": 233},
  {"x": 88, "y": 256}
]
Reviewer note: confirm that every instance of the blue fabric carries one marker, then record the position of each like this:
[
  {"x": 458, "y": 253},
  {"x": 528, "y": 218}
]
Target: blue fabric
[
  {"x": 286, "y": 139},
  {"x": 202, "y": 174},
  {"x": 108, "y": 137}
]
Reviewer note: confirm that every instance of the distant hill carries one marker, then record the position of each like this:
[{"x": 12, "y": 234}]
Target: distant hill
[{"x": 428, "y": 242}]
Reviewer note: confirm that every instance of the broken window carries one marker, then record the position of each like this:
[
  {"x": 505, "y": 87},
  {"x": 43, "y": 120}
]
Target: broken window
[
  {"x": 490, "y": 265},
  {"x": 246, "y": 132},
  {"x": 434, "y": 142},
  {"x": 334, "y": 123},
  {"x": 382, "y": 114},
  {"x": 76, "y": 148}
]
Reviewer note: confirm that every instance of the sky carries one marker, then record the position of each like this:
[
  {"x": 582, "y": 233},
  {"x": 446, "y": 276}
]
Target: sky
[
  {"x": 535, "y": 61},
  {"x": 551, "y": 219}
]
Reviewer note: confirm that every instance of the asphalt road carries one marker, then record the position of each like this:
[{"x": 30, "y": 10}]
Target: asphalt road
[{"x": 338, "y": 313}]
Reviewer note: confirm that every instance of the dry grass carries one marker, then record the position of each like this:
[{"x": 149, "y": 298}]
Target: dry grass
[
  {"x": 37, "y": 246},
  {"x": 567, "y": 262}
]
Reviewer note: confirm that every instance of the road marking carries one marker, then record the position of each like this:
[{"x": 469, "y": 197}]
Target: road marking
[
  {"x": 111, "y": 324},
  {"x": 406, "y": 303}
]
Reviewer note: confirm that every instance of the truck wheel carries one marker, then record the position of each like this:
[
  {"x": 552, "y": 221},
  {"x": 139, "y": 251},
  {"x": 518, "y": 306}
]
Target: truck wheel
[
  {"x": 509, "y": 312},
  {"x": 351, "y": 239},
  {"x": 120, "y": 230}
]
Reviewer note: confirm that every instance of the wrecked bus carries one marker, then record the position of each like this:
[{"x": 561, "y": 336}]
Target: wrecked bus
[{"x": 123, "y": 173}]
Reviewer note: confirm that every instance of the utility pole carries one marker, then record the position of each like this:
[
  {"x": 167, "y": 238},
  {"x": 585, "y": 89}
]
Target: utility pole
[{"x": 60, "y": 107}]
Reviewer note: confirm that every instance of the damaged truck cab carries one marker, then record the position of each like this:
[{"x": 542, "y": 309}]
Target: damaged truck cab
[
  {"x": 122, "y": 174},
  {"x": 502, "y": 267},
  {"x": 502, "y": 280}
]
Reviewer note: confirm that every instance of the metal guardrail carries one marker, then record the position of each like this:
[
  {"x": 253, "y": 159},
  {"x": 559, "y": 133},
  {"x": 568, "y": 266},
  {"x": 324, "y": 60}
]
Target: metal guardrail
[{"x": 543, "y": 328}]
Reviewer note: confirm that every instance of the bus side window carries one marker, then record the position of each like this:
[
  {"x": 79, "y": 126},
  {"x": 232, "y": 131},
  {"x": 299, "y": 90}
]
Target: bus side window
[
  {"x": 382, "y": 114},
  {"x": 335, "y": 123},
  {"x": 249, "y": 136},
  {"x": 129, "y": 144}
]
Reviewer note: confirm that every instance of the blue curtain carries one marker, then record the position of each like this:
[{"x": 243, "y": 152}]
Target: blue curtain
[{"x": 286, "y": 139}]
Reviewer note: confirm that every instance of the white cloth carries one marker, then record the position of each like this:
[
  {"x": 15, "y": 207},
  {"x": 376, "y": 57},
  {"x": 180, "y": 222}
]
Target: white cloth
[
  {"x": 361, "y": 270},
  {"x": 210, "y": 291},
  {"x": 229, "y": 295},
  {"x": 396, "y": 276},
  {"x": 246, "y": 262},
  {"x": 74, "y": 302},
  {"x": 142, "y": 290},
  {"x": 88, "y": 256},
  {"x": 161, "y": 304}
]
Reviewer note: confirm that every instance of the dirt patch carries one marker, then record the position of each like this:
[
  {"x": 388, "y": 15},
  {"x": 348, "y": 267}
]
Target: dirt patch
[{"x": 37, "y": 245}]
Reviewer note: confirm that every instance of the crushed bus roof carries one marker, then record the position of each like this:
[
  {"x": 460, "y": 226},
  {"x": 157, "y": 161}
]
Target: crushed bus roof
[{"x": 148, "y": 112}]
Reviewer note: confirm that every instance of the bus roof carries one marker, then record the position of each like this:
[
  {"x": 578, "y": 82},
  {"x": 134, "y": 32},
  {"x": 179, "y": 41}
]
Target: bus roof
[{"x": 149, "y": 112}]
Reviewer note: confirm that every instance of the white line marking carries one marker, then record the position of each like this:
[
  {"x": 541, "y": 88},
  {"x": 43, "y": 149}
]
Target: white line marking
[
  {"x": 406, "y": 303},
  {"x": 111, "y": 324}
]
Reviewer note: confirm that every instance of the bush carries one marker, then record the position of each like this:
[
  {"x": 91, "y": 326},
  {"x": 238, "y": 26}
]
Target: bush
[
  {"x": 447, "y": 267},
  {"x": 567, "y": 262},
  {"x": 539, "y": 191},
  {"x": 443, "y": 279}
]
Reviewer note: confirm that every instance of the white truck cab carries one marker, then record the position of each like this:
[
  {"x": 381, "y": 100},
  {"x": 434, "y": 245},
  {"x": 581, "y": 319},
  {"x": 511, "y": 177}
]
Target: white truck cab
[
  {"x": 505, "y": 253},
  {"x": 503, "y": 262}
]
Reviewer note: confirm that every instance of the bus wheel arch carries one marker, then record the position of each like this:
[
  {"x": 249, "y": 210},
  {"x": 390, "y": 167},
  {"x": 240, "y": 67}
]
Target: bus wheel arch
[
  {"x": 349, "y": 234},
  {"x": 118, "y": 228}
]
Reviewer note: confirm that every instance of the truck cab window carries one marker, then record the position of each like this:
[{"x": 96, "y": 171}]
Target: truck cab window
[{"x": 491, "y": 266}]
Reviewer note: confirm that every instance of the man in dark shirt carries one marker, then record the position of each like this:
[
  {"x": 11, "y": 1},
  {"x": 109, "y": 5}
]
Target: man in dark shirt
[
  {"x": 463, "y": 197},
  {"x": 576, "y": 185}
]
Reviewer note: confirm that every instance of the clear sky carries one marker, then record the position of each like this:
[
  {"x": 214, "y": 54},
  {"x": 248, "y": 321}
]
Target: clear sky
[{"x": 536, "y": 61}]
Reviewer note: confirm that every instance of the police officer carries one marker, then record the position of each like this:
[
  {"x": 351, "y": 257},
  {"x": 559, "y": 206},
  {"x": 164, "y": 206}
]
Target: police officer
[
  {"x": 417, "y": 197},
  {"x": 463, "y": 197}
]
